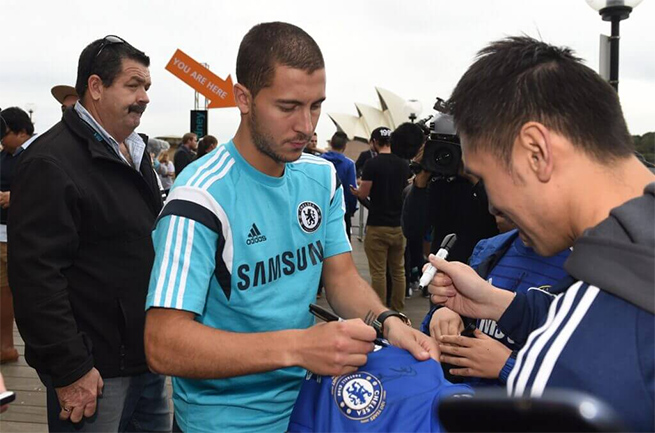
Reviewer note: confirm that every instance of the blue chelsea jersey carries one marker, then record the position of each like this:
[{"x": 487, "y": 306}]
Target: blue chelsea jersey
[
  {"x": 392, "y": 392},
  {"x": 244, "y": 252}
]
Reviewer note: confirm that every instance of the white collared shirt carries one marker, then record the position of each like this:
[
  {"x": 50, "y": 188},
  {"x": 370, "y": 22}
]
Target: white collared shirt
[{"x": 133, "y": 142}]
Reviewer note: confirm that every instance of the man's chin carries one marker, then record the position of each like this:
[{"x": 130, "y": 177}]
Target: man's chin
[
  {"x": 292, "y": 155},
  {"x": 135, "y": 121}
]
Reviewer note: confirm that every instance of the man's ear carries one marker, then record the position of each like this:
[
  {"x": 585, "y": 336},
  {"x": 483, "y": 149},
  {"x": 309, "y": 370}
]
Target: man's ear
[
  {"x": 534, "y": 146},
  {"x": 243, "y": 98},
  {"x": 94, "y": 87}
]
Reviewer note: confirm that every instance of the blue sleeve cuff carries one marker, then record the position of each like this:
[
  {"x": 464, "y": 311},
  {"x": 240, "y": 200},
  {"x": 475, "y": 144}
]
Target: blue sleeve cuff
[
  {"x": 513, "y": 321},
  {"x": 425, "y": 324},
  {"x": 507, "y": 369}
]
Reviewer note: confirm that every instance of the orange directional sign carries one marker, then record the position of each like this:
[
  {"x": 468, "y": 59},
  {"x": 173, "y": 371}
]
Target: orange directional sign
[{"x": 219, "y": 92}]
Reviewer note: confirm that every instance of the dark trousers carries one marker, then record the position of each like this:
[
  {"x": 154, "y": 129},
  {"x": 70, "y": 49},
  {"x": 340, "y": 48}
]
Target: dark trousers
[
  {"x": 128, "y": 404},
  {"x": 348, "y": 217}
]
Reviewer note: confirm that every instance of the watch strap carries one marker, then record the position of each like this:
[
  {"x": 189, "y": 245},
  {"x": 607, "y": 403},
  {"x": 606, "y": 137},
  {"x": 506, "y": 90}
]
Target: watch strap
[{"x": 391, "y": 313}]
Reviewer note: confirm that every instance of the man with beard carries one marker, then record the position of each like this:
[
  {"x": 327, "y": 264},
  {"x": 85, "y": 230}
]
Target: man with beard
[
  {"x": 83, "y": 206},
  {"x": 240, "y": 246}
]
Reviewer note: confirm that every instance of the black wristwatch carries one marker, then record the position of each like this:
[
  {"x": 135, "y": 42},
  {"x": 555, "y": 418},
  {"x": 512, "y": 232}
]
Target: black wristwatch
[{"x": 389, "y": 313}]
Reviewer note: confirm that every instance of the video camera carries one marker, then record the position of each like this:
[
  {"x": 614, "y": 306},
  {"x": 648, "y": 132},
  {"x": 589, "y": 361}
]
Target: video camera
[{"x": 442, "y": 153}]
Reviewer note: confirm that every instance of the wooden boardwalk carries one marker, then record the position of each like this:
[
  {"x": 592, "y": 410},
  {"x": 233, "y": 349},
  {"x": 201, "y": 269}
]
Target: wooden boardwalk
[{"x": 28, "y": 413}]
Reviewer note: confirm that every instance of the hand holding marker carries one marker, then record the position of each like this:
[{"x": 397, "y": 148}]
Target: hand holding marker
[{"x": 446, "y": 246}]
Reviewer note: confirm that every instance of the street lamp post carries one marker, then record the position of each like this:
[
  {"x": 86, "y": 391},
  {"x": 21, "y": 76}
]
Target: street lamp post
[
  {"x": 413, "y": 109},
  {"x": 614, "y": 11}
]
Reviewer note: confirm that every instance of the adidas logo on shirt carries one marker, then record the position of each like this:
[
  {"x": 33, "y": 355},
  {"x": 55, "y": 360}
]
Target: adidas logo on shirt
[{"x": 255, "y": 236}]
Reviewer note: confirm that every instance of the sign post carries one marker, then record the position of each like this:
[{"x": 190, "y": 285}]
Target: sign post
[
  {"x": 202, "y": 80},
  {"x": 199, "y": 123}
]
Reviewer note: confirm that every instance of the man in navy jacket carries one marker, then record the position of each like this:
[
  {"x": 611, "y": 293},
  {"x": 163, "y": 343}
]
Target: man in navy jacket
[{"x": 547, "y": 136}]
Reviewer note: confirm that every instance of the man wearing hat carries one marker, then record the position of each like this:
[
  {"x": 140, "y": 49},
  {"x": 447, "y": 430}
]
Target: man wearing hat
[
  {"x": 383, "y": 180},
  {"x": 65, "y": 95}
]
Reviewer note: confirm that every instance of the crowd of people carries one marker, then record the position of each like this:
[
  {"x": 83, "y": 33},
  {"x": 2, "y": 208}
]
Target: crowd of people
[{"x": 127, "y": 265}]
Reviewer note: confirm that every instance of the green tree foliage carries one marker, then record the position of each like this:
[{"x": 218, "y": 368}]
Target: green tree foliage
[{"x": 645, "y": 144}]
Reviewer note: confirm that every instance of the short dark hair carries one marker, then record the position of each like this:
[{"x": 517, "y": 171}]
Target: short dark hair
[
  {"x": 188, "y": 136},
  {"x": 520, "y": 79},
  {"x": 18, "y": 120},
  {"x": 406, "y": 140},
  {"x": 268, "y": 45},
  {"x": 339, "y": 140},
  {"x": 205, "y": 143},
  {"x": 107, "y": 64}
]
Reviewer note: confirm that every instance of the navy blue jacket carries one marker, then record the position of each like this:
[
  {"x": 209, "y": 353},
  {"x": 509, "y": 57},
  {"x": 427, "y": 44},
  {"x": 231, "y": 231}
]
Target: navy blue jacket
[{"x": 598, "y": 334}]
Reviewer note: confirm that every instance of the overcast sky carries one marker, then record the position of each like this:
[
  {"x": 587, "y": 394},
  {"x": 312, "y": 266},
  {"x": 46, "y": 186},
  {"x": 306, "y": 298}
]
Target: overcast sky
[{"x": 416, "y": 49}]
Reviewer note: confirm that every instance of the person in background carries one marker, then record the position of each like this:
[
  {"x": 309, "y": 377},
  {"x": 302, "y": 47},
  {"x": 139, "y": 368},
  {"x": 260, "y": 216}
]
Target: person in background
[
  {"x": 364, "y": 156},
  {"x": 346, "y": 171},
  {"x": 312, "y": 147},
  {"x": 19, "y": 134},
  {"x": 166, "y": 172},
  {"x": 65, "y": 95},
  {"x": 507, "y": 262},
  {"x": 3, "y": 388},
  {"x": 383, "y": 181},
  {"x": 206, "y": 145},
  {"x": 186, "y": 152}
]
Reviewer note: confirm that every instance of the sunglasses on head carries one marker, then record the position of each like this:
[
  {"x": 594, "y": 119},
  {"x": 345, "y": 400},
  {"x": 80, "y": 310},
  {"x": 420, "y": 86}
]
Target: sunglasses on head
[{"x": 106, "y": 41}]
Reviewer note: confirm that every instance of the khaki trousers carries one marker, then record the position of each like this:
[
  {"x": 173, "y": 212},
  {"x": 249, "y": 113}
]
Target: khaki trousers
[{"x": 385, "y": 247}]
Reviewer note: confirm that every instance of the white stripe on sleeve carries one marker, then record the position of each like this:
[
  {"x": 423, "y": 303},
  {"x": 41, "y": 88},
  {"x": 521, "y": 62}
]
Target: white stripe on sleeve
[
  {"x": 561, "y": 339},
  {"x": 185, "y": 264},
  {"x": 176, "y": 261},
  {"x": 511, "y": 379},
  {"x": 220, "y": 175},
  {"x": 164, "y": 263},
  {"x": 214, "y": 169},
  {"x": 534, "y": 352},
  {"x": 206, "y": 165},
  {"x": 203, "y": 198}
]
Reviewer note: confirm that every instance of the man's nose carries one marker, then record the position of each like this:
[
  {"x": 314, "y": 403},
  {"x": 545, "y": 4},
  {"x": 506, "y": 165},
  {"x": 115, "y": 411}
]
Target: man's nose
[
  {"x": 305, "y": 122},
  {"x": 143, "y": 96}
]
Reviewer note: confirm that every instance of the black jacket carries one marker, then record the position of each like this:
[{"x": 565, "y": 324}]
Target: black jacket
[
  {"x": 449, "y": 206},
  {"x": 81, "y": 253},
  {"x": 183, "y": 157}
]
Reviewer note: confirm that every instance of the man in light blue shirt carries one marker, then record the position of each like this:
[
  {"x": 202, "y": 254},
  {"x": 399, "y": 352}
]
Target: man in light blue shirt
[{"x": 240, "y": 246}]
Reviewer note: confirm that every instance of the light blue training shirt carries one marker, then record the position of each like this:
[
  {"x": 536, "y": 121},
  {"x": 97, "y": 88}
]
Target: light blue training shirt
[{"x": 244, "y": 252}]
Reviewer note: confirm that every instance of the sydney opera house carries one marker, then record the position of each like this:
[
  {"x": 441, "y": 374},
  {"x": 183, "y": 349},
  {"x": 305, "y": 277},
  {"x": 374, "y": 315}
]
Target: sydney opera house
[{"x": 392, "y": 112}]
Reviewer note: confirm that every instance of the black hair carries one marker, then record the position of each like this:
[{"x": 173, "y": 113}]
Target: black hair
[
  {"x": 268, "y": 45},
  {"x": 106, "y": 61},
  {"x": 204, "y": 145},
  {"x": 339, "y": 140},
  {"x": 406, "y": 140},
  {"x": 520, "y": 79},
  {"x": 18, "y": 120}
]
